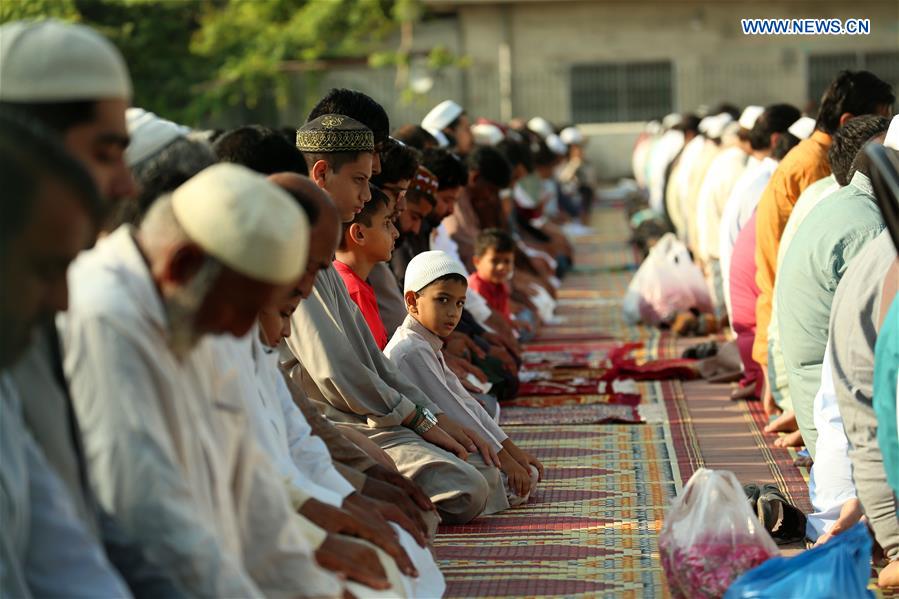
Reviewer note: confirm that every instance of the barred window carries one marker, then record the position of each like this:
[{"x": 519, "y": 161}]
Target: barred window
[
  {"x": 616, "y": 92},
  {"x": 822, "y": 68}
]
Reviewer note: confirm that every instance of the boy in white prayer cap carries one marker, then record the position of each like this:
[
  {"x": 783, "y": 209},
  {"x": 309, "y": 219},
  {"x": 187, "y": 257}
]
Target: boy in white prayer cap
[{"x": 434, "y": 289}]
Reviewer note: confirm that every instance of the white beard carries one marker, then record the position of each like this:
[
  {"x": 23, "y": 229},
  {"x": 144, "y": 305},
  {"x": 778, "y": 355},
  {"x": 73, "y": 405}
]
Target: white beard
[{"x": 182, "y": 306}]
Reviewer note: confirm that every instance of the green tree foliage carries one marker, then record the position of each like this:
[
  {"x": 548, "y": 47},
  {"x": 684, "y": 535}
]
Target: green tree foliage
[{"x": 196, "y": 60}]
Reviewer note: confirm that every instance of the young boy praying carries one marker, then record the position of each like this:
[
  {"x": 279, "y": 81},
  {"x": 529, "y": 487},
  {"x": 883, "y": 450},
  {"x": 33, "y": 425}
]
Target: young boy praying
[
  {"x": 367, "y": 240},
  {"x": 494, "y": 263},
  {"x": 434, "y": 290}
]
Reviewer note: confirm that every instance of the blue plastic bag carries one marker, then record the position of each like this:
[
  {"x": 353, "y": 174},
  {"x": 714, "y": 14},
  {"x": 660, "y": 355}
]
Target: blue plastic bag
[{"x": 840, "y": 569}]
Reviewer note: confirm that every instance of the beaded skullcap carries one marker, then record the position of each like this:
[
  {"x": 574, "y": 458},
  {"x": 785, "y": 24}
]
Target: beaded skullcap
[{"x": 331, "y": 133}]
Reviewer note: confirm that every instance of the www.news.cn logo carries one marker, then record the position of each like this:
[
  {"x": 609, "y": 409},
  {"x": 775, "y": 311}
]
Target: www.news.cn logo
[{"x": 805, "y": 26}]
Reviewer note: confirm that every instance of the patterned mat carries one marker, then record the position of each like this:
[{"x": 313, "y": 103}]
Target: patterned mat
[
  {"x": 571, "y": 414},
  {"x": 590, "y": 530},
  {"x": 792, "y": 480}
]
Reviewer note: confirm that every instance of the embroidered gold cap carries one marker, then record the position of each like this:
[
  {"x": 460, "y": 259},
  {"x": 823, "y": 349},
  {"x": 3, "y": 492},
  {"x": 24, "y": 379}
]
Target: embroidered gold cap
[{"x": 331, "y": 133}]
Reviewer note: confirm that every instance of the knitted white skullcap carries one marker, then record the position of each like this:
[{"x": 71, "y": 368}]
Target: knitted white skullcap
[
  {"x": 245, "y": 221},
  {"x": 487, "y": 134},
  {"x": 149, "y": 134},
  {"x": 442, "y": 139},
  {"x": 51, "y": 61},
  {"x": 571, "y": 136},
  {"x": 892, "y": 138},
  {"x": 541, "y": 127},
  {"x": 750, "y": 115},
  {"x": 715, "y": 125},
  {"x": 803, "y": 128},
  {"x": 672, "y": 120},
  {"x": 442, "y": 115},
  {"x": 427, "y": 267},
  {"x": 556, "y": 145}
]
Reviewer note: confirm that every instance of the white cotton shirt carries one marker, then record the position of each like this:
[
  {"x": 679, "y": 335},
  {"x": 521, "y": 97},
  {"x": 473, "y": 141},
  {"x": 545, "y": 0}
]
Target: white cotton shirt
[
  {"x": 301, "y": 458},
  {"x": 45, "y": 550},
  {"x": 717, "y": 185},
  {"x": 663, "y": 154},
  {"x": 830, "y": 479},
  {"x": 169, "y": 449},
  {"x": 740, "y": 206},
  {"x": 416, "y": 353}
]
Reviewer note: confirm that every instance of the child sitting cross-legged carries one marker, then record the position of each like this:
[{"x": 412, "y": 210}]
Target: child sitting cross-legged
[
  {"x": 366, "y": 241},
  {"x": 434, "y": 290}
]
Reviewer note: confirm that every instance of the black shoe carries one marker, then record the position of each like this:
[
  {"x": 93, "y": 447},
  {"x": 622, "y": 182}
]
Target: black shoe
[
  {"x": 701, "y": 351},
  {"x": 784, "y": 521},
  {"x": 752, "y": 495}
]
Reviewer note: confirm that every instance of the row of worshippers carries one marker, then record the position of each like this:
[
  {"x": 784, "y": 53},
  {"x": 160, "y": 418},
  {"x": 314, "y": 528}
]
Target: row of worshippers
[
  {"x": 257, "y": 363},
  {"x": 779, "y": 211}
]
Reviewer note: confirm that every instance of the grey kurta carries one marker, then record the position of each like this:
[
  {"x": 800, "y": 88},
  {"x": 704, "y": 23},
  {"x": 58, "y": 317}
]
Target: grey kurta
[
  {"x": 390, "y": 299},
  {"x": 45, "y": 550},
  {"x": 45, "y": 409},
  {"x": 854, "y": 320},
  {"x": 341, "y": 367}
]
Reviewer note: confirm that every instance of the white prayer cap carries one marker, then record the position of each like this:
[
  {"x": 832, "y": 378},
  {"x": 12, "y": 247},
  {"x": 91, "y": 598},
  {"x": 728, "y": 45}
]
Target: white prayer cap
[
  {"x": 149, "y": 134},
  {"x": 554, "y": 143},
  {"x": 487, "y": 134},
  {"x": 892, "y": 138},
  {"x": 442, "y": 115},
  {"x": 51, "y": 61},
  {"x": 541, "y": 127},
  {"x": 440, "y": 136},
  {"x": 672, "y": 120},
  {"x": 653, "y": 127},
  {"x": 571, "y": 136},
  {"x": 427, "y": 267},
  {"x": 803, "y": 128},
  {"x": 750, "y": 115},
  {"x": 715, "y": 125},
  {"x": 245, "y": 221}
]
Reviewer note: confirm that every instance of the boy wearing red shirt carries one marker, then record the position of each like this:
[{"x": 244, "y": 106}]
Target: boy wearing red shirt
[
  {"x": 494, "y": 263},
  {"x": 366, "y": 241}
]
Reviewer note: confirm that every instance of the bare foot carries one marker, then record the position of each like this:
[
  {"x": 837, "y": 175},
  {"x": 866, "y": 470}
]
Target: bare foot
[
  {"x": 785, "y": 423},
  {"x": 803, "y": 462},
  {"x": 850, "y": 514},
  {"x": 793, "y": 439},
  {"x": 889, "y": 576}
]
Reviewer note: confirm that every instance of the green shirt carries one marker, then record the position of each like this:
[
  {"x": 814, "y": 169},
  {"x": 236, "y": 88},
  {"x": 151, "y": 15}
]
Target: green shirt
[
  {"x": 831, "y": 235},
  {"x": 886, "y": 387}
]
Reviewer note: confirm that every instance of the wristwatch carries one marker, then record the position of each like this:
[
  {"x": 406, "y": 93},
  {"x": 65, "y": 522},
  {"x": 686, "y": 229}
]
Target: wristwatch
[{"x": 423, "y": 421}]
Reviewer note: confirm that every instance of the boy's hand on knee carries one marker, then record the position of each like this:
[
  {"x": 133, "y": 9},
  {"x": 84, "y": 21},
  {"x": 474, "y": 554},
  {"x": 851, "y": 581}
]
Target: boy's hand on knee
[
  {"x": 519, "y": 479},
  {"x": 469, "y": 439},
  {"x": 405, "y": 484},
  {"x": 444, "y": 440}
]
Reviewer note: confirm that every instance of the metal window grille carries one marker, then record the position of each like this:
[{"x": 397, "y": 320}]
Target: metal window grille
[
  {"x": 616, "y": 92},
  {"x": 822, "y": 68}
]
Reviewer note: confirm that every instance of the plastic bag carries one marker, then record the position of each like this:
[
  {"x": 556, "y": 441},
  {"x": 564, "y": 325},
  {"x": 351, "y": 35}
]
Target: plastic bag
[
  {"x": 840, "y": 569},
  {"x": 666, "y": 283},
  {"x": 710, "y": 536}
]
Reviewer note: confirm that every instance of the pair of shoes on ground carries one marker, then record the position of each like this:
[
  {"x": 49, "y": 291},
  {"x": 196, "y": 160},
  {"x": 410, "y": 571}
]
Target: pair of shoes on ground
[{"x": 784, "y": 521}]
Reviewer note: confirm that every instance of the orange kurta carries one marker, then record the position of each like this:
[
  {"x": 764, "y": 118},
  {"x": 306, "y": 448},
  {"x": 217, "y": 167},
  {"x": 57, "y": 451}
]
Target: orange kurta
[{"x": 802, "y": 166}]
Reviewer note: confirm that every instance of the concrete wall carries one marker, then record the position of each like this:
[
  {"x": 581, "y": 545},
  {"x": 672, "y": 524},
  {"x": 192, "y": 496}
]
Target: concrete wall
[{"x": 712, "y": 60}]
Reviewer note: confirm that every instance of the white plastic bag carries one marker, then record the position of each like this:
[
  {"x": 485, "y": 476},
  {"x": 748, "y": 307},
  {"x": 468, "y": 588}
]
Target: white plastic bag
[
  {"x": 711, "y": 537},
  {"x": 666, "y": 283}
]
